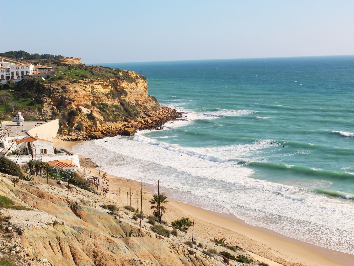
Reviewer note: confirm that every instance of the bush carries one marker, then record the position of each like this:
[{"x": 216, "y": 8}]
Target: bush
[
  {"x": 159, "y": 229},
  {"x": 174, "y": 232},
  {"x": 182, "y": 224},
  {"x": 189, "y": 243},
  {"x": 9, "y": 167},
  {"x": 212, "y": 251},
  {"x": 263, "y": 264},
  {"x": 110, "y": 207},
  {"x": 129, "y": 208},
  {"x": 151, "y": 219},
  {"x": 243, "y": 259},
  {"x": 227, "y": 255},
  {"x": 220, "y": 241}
]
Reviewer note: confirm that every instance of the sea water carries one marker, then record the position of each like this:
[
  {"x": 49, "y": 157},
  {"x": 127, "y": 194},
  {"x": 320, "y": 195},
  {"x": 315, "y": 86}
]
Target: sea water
[{"x": 267, "y": 140}]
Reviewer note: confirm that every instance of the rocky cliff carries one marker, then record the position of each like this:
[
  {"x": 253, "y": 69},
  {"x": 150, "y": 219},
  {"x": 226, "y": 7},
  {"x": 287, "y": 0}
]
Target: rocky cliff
[
  {"x": 49, "y": 225},
  {"x": 90, "y": 101},
  {"x": 93, "y": 108}
]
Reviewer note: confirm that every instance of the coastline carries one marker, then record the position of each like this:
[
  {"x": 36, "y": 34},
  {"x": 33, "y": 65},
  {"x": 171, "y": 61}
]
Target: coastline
[{"x": 269, "y": 246}]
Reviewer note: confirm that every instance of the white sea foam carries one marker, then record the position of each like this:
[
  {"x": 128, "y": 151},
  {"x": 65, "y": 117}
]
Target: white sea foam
[
  {"x": 227, "y": 112},
  {"x": 189, "y": 116},
  {"x": 345, "y": 134},
  {"x": 207, "y": 177}
]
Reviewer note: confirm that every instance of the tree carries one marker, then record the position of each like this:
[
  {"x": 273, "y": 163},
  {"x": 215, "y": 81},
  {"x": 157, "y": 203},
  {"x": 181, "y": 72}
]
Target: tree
[
  {"x": 9, "y": 167},
  {"x": 158, "y": 210},
  {"x": 182, "y": 224}
]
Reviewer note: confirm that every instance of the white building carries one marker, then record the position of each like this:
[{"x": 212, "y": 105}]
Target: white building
[{"x": 17, "y": 72}]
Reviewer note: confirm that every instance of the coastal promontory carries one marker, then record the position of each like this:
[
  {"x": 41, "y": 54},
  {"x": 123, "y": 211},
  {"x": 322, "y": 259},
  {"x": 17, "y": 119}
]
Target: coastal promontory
[{"x": 89, "y": 101}]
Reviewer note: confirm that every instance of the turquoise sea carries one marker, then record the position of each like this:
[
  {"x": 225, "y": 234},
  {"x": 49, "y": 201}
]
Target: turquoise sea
[{"x": 270, "y": 141}]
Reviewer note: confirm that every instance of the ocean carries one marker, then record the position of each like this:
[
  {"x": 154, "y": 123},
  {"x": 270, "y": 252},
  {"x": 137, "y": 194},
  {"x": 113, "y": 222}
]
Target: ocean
[{"x": 267, "y": 140}]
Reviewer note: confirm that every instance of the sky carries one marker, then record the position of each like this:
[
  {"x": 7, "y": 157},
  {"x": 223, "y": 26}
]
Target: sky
[{"x": 114, "y": 31}]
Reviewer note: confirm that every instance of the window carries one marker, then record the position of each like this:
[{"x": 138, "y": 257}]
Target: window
[{"x": 43, "y": 151}]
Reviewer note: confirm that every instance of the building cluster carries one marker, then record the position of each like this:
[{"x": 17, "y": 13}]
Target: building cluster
[
  {"x": 19, "y": 71},
  {"x": 23, "y": 141}
]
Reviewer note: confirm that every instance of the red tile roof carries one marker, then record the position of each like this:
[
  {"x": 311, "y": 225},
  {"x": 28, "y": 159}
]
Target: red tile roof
[
  {"x": 61, "y": 164},
  {"x": 30, "y": 139}
]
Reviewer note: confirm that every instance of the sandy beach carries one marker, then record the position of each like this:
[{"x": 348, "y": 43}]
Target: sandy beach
[{"x": 262, "y": 244}]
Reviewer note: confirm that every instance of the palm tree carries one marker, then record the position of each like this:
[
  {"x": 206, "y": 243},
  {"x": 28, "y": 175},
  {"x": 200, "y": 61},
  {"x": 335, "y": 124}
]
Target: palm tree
[{"x": 157, "y": 207}]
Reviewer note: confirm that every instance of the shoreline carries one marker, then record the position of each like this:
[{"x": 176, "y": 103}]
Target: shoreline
[{"x": 268, "y": 245}]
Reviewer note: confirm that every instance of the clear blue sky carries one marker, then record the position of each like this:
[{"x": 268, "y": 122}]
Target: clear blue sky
[{"x": 113, "y": 31}]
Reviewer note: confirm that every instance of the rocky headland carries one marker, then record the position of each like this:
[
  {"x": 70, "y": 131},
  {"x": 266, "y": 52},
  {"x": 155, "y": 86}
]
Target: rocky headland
[{"x": 90, "y": 101}]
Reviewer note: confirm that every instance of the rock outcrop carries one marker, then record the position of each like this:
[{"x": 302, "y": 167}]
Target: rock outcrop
[{"x": 94, "y": 108}]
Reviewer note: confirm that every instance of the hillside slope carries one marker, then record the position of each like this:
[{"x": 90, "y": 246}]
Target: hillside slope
[{"x": 61, "y": 227}]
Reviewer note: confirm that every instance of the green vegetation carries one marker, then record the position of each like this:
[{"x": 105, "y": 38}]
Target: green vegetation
[
  {"x": 219, "y": 241},
  {"x": 158, "y": 212},
  {"x": 159, "y": 229},
  {"x": 182, "y": 224},
  {"x": 174, "y": 232},
  {"x": 9, "y": 167},
  {"x": 9, "y": 204},
  {"x": 112, "y": 208},
  {"x": 243, "y": 259},
  {"x": 152, "y": 220},
  {"x": 129, "y": 208},
  {"x": 72, "y": 177},
  {"x": 227, "y": 255},
  {"x": 24, "y": 55},
  {"x": 4, "y": 262}
]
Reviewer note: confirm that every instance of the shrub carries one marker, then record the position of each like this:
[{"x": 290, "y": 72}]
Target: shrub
[
  {"x": 139, "y": 215},
  {"x": 189, "y": 243},
  {"x": 110, "y": 207},
  {"x": 151, "y": 219},
  {"x": 212, "y": 251},
  {"x": 232, "y": 248},
  {"x": 9, "y": 167},
  {"x": 159, "y": 229},
  {"x": 227, "y": 255},
  {"x": 200, "y": 245},
  {"x": 174, "y": 232},
  {"x": 220, "y": 241},
  {"x": 129, "y": 208},
  {"x": 182, "y": 224},
  {"x": 243, "y": 259},
  {"x": 263, "y": 264}
]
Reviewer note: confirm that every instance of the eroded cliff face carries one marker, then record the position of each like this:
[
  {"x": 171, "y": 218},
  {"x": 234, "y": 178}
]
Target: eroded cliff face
[
  {"x": 62, "y": 227},
  {"x": 93, "y": 108}
]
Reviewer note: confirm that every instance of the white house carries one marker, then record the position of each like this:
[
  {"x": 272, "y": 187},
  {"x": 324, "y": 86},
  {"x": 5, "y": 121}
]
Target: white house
[
  {"x": 17, "y": 72},
  {"x": 34, "y": 146}
]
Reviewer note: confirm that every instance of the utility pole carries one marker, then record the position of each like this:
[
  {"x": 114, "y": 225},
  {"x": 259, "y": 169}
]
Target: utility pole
[
  {"x": 130, "y": 198},
  {"x": 127, "y": 197},
  {"x": 47, "y": 168},
  {"x": 158, "y": 200},
  {"x": 141, "y": 205},
  {"x": 193, "y": 232}
]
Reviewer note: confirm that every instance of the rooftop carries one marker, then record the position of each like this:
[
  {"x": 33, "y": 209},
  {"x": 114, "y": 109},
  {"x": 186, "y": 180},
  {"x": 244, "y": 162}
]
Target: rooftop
[{"x": 13, "y": 130}]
